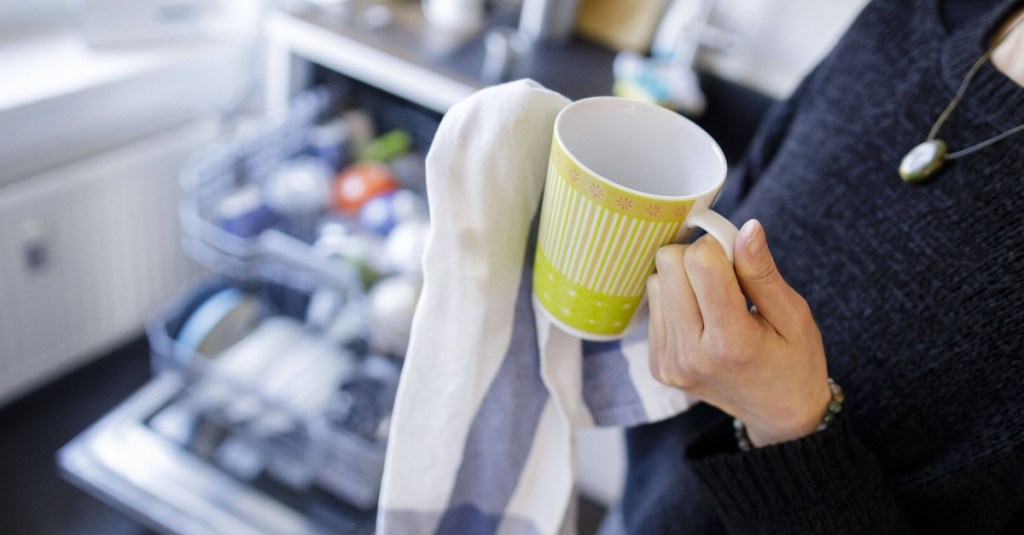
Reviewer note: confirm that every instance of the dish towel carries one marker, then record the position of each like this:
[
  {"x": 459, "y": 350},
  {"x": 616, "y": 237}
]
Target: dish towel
[{"x": 491, "y": 392}]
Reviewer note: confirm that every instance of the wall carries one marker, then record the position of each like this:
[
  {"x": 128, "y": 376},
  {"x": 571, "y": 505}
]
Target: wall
[
  {"x": 781, "y": 39},
  {"x": 19, "y": 13}
]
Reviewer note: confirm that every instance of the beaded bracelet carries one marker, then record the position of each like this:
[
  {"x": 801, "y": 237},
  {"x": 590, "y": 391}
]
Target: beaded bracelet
[{"x": 834, "y": 407}]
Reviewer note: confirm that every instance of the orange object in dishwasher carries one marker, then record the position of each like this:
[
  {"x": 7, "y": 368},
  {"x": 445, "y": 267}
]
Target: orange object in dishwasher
[{"x": 360, "y": 182}]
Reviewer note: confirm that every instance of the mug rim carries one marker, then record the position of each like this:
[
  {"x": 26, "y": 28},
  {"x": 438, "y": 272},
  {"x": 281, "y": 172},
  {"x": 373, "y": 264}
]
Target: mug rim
[{"x": 719, "y": 155}]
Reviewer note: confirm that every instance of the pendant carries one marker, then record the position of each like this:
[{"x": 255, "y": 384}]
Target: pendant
[{"x": 923, "y": 160}]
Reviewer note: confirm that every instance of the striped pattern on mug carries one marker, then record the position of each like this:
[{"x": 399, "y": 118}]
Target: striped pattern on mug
[{"x": 599, "y": 241}]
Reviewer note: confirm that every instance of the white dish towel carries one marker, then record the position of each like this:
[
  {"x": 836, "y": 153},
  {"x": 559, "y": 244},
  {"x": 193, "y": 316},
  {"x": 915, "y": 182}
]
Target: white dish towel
[{"x": 491, "y": 392}]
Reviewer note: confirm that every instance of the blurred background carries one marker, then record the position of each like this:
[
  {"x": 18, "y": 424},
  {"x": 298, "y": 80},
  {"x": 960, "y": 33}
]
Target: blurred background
[{"x": 212, "y": 215}]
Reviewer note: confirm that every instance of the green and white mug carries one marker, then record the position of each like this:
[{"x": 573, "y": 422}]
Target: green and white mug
[{"x": 624, "y": 178}]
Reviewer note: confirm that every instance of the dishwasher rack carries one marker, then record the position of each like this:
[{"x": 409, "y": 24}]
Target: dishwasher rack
[{"x": 251, "y": 155}]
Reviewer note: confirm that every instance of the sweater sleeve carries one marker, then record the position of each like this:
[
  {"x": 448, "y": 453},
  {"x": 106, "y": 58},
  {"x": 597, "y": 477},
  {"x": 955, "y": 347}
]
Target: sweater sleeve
[{"x": 826, "y": 482}]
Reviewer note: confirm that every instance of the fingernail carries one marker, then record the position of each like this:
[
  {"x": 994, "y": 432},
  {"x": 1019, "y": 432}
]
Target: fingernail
[{"x": 753, "y": 236}]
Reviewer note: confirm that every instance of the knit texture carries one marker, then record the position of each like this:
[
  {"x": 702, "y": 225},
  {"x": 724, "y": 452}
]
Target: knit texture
[{"x": 916, "y": 288}]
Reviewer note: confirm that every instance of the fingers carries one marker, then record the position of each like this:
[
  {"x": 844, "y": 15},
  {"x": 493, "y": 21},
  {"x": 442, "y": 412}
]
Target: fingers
[
  {"x": 675, "y": 322},
  {"x": 681, "y": 308},
  {"x": 761, "y": 281},
  {"x": 716, "y": 290},
  {"x": 703, "y": 338},
  {"x": 656, "y": 319}
]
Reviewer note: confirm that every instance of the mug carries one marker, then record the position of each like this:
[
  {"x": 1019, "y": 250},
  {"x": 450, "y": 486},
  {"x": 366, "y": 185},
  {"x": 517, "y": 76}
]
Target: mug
[{"x": 624, "y": 178}]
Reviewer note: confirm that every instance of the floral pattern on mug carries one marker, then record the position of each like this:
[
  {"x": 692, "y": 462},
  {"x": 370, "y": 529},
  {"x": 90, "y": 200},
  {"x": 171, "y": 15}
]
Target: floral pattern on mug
[
  {"x": 619, "y": 199},
  {"x": 574, "y": 174}
]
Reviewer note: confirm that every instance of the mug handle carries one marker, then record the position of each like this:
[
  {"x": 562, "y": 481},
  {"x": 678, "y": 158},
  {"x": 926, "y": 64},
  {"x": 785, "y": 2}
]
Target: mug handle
[{"x": 719, "y": 227}]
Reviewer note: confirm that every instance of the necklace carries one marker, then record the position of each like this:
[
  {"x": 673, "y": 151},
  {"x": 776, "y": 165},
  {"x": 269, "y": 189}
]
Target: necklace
[{"x": 927, "y": 158}]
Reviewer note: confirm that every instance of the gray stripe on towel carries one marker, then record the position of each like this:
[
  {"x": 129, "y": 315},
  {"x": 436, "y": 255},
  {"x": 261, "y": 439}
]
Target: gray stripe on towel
[
  {"x": 607, "y": 389},
  {"x": 503, "y": 429}
]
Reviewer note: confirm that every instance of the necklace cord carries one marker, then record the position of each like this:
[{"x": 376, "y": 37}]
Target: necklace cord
[
  {"x": 960, "y": 95},
  {"x": 983, "y": 144}
]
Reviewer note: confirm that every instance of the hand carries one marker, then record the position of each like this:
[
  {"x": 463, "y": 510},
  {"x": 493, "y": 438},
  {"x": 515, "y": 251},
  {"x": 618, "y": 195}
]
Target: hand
[{"x": 764, "y": 366}]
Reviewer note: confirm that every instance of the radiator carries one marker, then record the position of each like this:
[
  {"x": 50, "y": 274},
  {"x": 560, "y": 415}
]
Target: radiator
[{"x": 87, "y": 252}]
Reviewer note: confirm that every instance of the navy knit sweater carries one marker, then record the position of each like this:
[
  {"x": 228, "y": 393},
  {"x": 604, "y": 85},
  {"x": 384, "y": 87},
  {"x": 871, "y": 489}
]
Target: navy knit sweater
[{"x": 917, "y": 290}]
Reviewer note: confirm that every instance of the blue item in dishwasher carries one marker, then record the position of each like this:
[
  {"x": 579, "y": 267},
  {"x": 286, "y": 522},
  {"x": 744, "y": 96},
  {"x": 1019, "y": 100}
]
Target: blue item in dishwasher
[
  {"x": 330, "y": 142},
  {"x": 217, "y": 324},
  {"x": 378, "y": 215},
  {"x": 243, "y": 213}
]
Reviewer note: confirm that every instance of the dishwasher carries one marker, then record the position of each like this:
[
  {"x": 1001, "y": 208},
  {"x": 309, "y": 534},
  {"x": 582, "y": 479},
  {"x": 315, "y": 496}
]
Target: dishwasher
[{"x": 273, "y": 381}]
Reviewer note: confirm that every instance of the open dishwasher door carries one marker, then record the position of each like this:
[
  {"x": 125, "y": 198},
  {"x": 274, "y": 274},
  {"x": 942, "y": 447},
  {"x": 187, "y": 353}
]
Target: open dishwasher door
[
  {"x": 135, "y": 469},
  {"x": 125, "y": 462}
]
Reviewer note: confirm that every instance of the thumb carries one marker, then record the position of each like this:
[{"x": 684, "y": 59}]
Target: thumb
[{"x": 760, "y": 278}]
